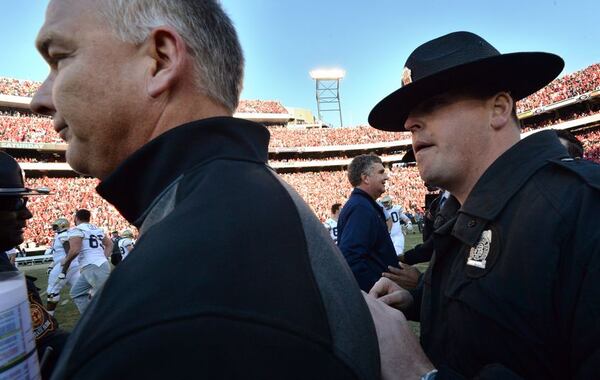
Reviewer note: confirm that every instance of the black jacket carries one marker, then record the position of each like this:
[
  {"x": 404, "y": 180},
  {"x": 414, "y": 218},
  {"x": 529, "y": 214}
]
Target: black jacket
[
  {"x": 364, "y": 239},
  {"x": 232, "y": 277},
  {"x": 529, "y": 302}
]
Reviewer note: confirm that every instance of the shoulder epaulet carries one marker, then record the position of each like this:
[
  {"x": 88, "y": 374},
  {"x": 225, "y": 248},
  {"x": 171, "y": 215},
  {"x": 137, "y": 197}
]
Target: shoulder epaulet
[{"x": 587, "y": 171}]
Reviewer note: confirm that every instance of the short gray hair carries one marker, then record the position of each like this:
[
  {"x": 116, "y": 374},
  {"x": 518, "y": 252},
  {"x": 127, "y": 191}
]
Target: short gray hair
[
  {"x": 205, "y": 27},
  {"x": 361, "y": 165}
]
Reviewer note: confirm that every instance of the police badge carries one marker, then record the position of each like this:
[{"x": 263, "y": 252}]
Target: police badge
[
  {"x": 479, "y": 253},
  {"x": 406, "y": 76}
]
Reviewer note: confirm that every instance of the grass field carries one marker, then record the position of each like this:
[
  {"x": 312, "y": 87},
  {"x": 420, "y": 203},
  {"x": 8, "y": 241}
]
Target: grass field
[{"x": 67, "y": 314}]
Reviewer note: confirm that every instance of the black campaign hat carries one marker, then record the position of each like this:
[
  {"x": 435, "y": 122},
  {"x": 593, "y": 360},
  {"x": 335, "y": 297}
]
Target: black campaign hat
[
  {"x": 459, "y": 60},
  {"x": 12, "y": 183}
]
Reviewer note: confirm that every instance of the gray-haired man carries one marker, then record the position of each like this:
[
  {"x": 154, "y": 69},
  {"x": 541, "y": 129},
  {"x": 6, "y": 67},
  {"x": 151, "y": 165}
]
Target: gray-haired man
[{"x": 143, "y": 92}]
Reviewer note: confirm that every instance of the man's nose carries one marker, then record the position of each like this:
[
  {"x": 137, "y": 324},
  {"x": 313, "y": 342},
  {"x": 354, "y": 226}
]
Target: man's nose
[{"x": 42, "y": 102}]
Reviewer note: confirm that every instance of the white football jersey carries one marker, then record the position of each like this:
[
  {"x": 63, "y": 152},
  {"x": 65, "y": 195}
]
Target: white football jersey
[
  {"x": 396, "y": 214},
  {"x": 92, "y": 249},
  {"x": 123, "y": 244},
  {"x": 58, "y": 250},
  {"x": 331, "y": 226}
]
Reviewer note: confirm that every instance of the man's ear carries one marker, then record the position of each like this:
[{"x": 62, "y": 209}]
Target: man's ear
[
  {"x": 501, "y": 106},
  {"x": 364, "y": 178},
  {"x": 169, "y": 55}
]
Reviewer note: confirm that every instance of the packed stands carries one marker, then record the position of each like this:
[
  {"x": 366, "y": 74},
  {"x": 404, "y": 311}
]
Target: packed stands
[
  {"x": 285, "y": 137},
  {"x": 67, "y": 195},
  {"x": 16, "y": 87},
  {"x": 261, "y": 106},
  {"x": 557, "y": 120},
  {"x": 322, "y": 189},
  {"x": 27, "y": 128},
  {"x": 565, "y": 87},
  {"x": 591, "y": 145}
]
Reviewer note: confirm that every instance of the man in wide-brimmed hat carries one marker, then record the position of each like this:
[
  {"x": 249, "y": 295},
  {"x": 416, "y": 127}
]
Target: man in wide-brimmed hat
[
  {"x": 509, "y": 291},
  {"x": 13, "y": 220}
]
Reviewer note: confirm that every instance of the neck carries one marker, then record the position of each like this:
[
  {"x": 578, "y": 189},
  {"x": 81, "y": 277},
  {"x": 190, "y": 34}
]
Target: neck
[
  {"x": 364, "y": 188},
  {"x": 485, "y": 159}
]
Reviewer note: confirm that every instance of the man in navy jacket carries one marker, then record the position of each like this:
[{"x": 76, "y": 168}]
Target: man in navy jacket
[{"x": 363, "y": 236}]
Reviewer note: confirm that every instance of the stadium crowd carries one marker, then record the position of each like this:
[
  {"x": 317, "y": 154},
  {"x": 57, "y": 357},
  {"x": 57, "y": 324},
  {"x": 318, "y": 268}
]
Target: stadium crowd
[
  {"x": 554, "y": 121},
  {"x": 319, "y": 189},
  {"x": 591, "y": 145},
  {"x": 27, "y": 128},
  {"x": 565, "y": 87},
  {"x": 67, "y": 195},
  {"x": 16, "y": 87},
  {"x": 261, "y": 106},
  {"x": 285, "y": 137},
  {"x": 322, "y": 189}
]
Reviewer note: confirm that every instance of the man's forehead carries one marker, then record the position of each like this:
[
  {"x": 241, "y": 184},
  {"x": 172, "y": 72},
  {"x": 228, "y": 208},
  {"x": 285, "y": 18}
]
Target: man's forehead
[{"x": 64, "y": 17}]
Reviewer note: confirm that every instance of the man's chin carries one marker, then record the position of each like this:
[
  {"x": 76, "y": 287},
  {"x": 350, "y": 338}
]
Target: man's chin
[{"x": 77, "y": 162}]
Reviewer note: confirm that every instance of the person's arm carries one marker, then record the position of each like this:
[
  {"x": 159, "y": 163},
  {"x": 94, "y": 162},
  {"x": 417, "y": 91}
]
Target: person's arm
[
  {"x": 406, "y": 220},
  {"x": 401, "y": 355},
  {"x": 405, "y": 276},
  {"x": 421, "y": 253},
  {"x": 75, "y": 243},
  {"x": 108, "y": 246}
]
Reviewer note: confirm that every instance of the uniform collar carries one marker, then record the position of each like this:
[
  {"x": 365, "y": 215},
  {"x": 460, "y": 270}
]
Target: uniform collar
[
  {"x": 142, "y": 177},
  {"x": 502, "y": 180}
]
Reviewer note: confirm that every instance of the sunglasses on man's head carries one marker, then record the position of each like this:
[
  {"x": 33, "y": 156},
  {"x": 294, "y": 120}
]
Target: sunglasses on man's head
[{"x": 13, "y": 203}]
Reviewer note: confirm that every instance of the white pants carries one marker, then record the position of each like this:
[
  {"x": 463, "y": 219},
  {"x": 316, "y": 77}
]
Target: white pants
[
  {"x": 54, "y": 285},
  {"x": 398, "y": 241}
]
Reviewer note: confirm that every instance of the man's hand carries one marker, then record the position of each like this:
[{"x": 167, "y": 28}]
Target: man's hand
[
  {"x": 400, "y": 353},
  {"x": 390, "y": 293},
  {"x": 407, "y": 276}
]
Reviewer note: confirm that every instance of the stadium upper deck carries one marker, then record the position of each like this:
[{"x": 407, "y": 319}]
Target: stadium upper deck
[{"x": 571, "y": 101}]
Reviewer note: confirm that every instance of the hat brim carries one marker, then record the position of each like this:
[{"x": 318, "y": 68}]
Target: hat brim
[
  {"x": 520, "y": 73},
  {"x": 22, "y": 192}
]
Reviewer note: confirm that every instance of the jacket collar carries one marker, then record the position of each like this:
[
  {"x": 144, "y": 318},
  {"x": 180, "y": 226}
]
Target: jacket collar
[
  {"x": 375, "y": 205},
  {"x": 502, "y": 180},
  {"x": 143, "y": 176}
]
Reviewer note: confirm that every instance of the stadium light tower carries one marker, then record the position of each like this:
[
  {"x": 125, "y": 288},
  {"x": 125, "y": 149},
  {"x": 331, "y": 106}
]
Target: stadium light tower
[{"x": 328, "y": 90}]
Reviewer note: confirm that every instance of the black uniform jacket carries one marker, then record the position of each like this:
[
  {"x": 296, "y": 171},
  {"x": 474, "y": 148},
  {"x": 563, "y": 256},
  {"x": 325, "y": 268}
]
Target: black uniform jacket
[
  {"x": 233, "y": 277},
  {"x": 514, "y": 284}
]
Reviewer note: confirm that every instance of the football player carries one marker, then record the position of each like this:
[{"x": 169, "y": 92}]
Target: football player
[
  {"x": 90, "y": 245},
  {"x": 395, "y": 217},
  {"x": 331, "y": 222},
  {"x": 59, "y": 249},
  {"x": 126, "y": 243}
]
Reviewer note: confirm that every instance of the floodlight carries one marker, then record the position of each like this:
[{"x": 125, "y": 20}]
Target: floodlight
[{"x": 327, "y": 74}]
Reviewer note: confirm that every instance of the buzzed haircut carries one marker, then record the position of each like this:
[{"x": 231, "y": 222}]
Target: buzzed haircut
[
  {"x": 207, "y": 30},
  {"x": 361, "y": 165},
  {"x": 83, "y": 215}
]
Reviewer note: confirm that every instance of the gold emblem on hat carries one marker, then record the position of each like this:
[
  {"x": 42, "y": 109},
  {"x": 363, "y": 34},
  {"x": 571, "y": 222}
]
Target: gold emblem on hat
[
  {"x": 406, "y": 76},
  {"x": 479, "y": 253}
]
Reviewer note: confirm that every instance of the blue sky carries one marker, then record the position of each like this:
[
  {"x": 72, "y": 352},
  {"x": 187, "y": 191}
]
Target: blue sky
[{"x": 284, "y": 39}]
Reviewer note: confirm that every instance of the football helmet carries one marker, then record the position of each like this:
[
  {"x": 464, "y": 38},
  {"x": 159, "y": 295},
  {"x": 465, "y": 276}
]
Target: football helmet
[
  {"x": 387, "y": 202},
  {"x": 127, "y": 234},
  {"x": 60, "y": 225}
]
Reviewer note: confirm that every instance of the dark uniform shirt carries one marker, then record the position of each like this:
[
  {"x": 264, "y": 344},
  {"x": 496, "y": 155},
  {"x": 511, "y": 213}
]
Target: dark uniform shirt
[
  {"x": 514, "y": 284},
  {"x": 364, "y": 239},
  {"x": 233, "y": 276}
]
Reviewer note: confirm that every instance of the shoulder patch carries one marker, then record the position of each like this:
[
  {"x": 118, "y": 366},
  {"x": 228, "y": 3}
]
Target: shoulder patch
[{"x": 588, "y": 171}]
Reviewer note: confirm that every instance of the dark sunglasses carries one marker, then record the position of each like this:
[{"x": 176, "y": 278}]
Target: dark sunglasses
[{"x": 13, "y": 203}]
